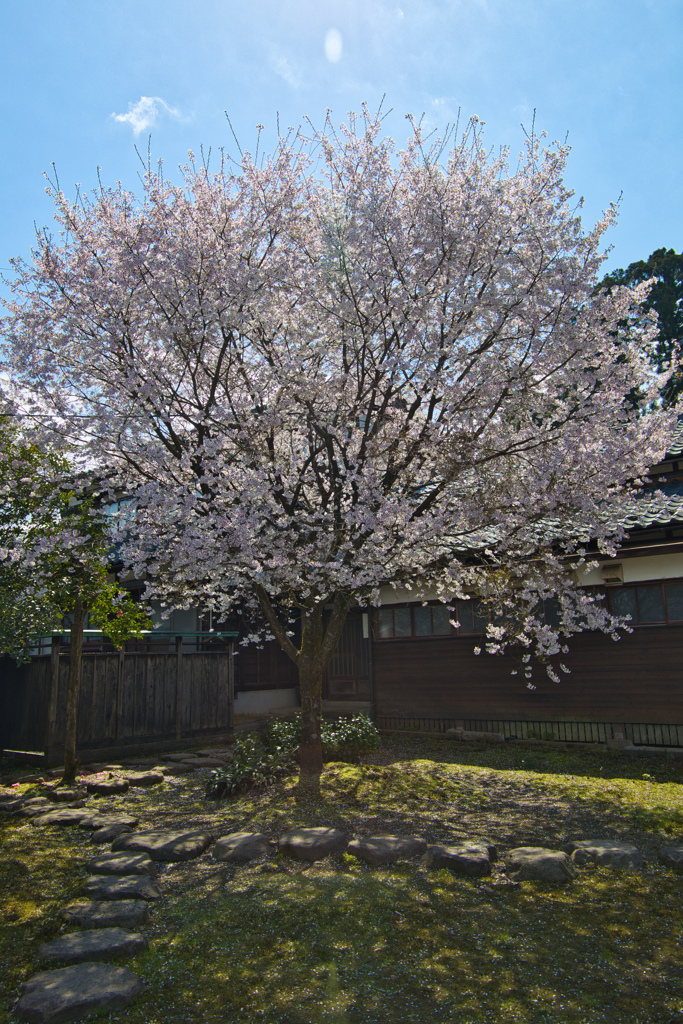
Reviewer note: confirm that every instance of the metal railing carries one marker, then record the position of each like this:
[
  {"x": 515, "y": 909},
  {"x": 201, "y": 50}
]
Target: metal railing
[{"x": 639, "y": 734}]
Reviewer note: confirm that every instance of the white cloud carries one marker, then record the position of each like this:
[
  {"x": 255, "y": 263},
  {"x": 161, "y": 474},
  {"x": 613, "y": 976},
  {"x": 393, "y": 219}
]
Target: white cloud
[
  {"x": 284, "y": 69},
  {"x": 333, "y": 45},
  {"x": 144, "y": 114}
]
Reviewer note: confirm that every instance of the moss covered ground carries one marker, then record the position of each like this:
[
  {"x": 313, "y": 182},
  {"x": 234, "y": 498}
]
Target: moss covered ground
[{"x": 338, "y": 943}]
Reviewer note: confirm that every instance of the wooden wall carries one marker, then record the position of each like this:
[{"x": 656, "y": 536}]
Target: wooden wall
[{"x": 637, "y": 679}]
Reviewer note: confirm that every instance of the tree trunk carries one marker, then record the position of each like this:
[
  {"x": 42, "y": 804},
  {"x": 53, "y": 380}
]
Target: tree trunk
[
  {"x": 318, "y": 644},
  {"x": 75, "y": 652}
]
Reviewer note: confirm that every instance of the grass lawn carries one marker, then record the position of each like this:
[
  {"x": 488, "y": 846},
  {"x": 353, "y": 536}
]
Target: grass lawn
[{"x": 338, "y": 943}]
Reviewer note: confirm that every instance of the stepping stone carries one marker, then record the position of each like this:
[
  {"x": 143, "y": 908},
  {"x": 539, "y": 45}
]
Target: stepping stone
[
  {"x": 96, "y": 944},
  {"x": 176, "y": 758},
  {"x": 118, "y": 887},
  {"x": 35, "y": 809},
  {"x": 605, "y": 853},
  {"x": 72, "y": 992},
  {"x": 110, "y": 833},
  {"x": 122, "y": 864},
  {"x": 469, "y": 859},
  {"x": 165, "y": 845},
  {"x": 144, "y": 778},
  {"x": 527, "y": 863},
  {"x": 36, "y": 801},
  {"x": 313, "y": 844},
  {"x": 179, "y": 769},
  {"x": 221, "y": 752},
  {"x": 62, "y": 796},
  {"x": 378, "y": 850},
  {"x": 107, "y": 786},
  {"x": 106, "y": 820},
  {"x": 672, "y": 857},
  {"x": 240, "y": 847},
  {"x": 12, "y": 805},
  {"x": 102, "y": 914},
  {"x": 64, "y": 816}
]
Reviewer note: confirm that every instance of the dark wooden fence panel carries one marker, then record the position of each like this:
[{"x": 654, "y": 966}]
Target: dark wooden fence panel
[
  {"x": 24, "y": 704},
  {"x": 124, "y": 699}
]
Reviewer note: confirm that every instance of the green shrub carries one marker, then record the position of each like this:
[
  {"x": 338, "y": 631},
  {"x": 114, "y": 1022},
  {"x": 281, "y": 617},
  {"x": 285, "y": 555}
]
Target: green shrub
[
  {"x": 343, "y": 740},
  {"x": 348, "y": 738},
  {"x": 262, "y": 758},
  {"x": 254, "y": 764}
]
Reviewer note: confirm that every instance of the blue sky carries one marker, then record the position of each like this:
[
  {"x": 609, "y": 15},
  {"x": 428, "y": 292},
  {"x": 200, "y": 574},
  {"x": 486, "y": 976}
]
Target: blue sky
[{"x": 608, "y": 73}]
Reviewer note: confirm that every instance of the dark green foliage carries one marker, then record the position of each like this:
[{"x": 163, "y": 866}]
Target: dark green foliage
[
  {"x": 666, "y": 299},
  {"x": 343, "y": 740},
  {"x": 261, "y": 759},
  {"x": 348, "y": 738},
  {"x": 255, "y": 763}
]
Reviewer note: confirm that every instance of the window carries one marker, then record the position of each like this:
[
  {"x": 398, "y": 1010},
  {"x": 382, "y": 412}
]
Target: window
[
  {"x": 649, "y": 603},
  {"x": 396, "y": 621}
]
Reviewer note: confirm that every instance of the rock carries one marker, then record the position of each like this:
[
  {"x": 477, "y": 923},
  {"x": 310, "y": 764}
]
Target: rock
[
  {"x": 179, "y": 769},
  {"x": 96, "y": 944},
  {"x": 72, "y": 992},
  {"x": 165, "y": 845},
  {"x": 313, "y": 844},
  {"x": 62, "y": 796},
  {"x": 535, "y": 862},
  {"x": 107, "y": 786},
  {"x": 106, "y": 820},
  {"x": 240, "y": 847},
  {"x": 122, "y": 864},
  {"x": 470, "y": 859},
  {"x": 672, "y": 857},
  {"x": 11, "y": 805},
  {"x": 110, "y": 833},
  {"x": 101, "y": 914},
  {"x": 35, "y": 809},
  {"x": 65, "y": 816},
  {"x": 605, "y": 853},
  {"x": 118, "y": 887},
  {"x": 144, "y": 778},
  {"x": 176, "y": 758},
  {"x": 378, "y": 850}
]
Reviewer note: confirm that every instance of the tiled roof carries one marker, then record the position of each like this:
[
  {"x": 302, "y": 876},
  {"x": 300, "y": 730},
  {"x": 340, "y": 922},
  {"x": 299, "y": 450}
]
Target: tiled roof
[
  {"x": 676, "y": 446},
  {"x": 650, "y": 511}
]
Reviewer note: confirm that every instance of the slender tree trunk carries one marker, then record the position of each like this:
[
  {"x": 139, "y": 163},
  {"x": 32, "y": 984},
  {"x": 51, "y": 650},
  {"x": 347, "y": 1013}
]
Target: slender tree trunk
[
  {"x": 75, "y": 652},
  {"x": 311, "y": 686}
]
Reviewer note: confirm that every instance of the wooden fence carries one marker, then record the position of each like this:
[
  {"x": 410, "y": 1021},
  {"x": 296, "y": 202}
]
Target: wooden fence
[{"x": 127, "y": 700}]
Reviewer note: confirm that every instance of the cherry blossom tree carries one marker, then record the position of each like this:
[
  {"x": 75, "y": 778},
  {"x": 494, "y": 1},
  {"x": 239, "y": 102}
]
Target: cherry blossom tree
[{"x": 346, "y": 367}]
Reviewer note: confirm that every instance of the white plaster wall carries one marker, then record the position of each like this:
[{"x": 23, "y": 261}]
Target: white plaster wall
[{"x": 635, "y": 570}]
